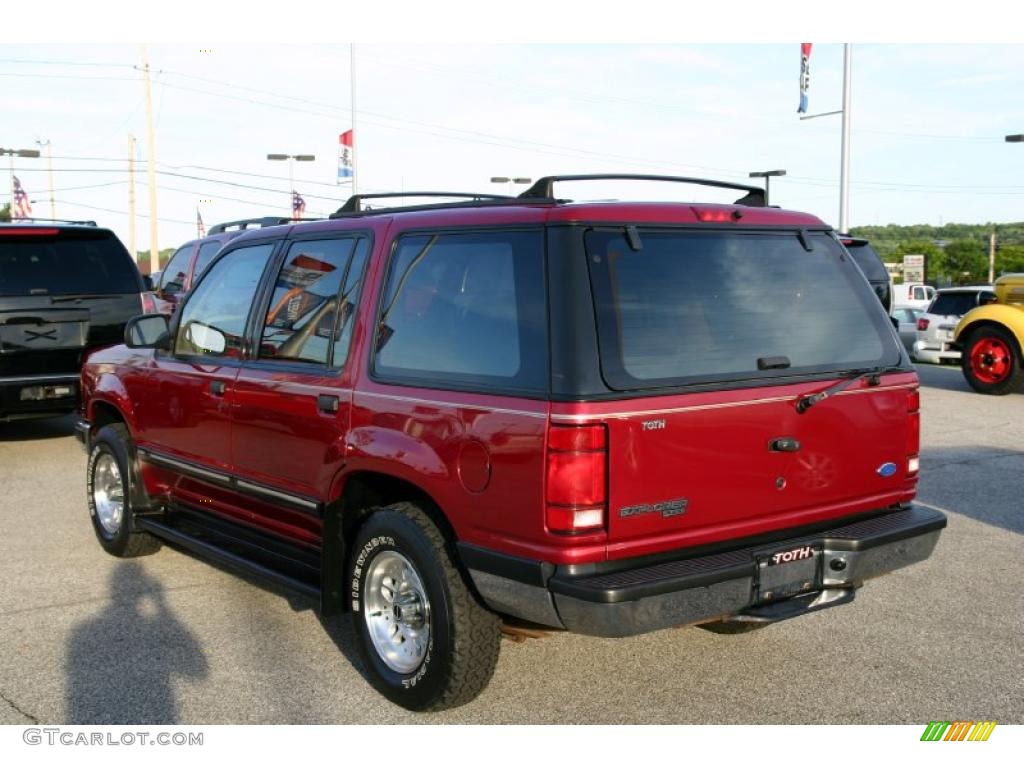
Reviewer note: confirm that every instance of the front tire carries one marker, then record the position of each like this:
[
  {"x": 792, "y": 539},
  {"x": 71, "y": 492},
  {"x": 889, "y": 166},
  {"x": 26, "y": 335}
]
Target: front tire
[
  {"x": 109, "y": 483},
  {"x": 426, "y": 642},
  {"x": 991, "y": 361}
]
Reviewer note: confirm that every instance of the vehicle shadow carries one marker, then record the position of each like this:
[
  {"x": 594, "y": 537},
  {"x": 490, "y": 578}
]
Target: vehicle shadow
[
  {"x": 948, "y": 377},
  {"x": 982, "y": 483},
  {"x": 121, "y": 665},
  {"x": 37, "y": 429}
]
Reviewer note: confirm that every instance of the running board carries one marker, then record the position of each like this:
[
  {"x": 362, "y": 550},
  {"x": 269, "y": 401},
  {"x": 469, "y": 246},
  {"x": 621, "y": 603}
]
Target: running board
[{"x": 211, "y": 552}]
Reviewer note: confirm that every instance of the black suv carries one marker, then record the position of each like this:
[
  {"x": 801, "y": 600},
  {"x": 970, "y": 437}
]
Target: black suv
[
  {"x": 65, "y": 289},
  {"x": 872, "y": 266}
]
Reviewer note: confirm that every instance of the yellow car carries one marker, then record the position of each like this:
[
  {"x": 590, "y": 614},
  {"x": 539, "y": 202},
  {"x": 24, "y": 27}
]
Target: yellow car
[{"x": 991, "y": 338}]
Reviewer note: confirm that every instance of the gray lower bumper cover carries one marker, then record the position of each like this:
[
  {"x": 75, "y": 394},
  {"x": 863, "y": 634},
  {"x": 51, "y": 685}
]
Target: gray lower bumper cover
[{"x": 696, "y": 589}]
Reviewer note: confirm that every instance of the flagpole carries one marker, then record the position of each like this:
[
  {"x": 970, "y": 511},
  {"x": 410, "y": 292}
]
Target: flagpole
[
  {"x": 844, "y": 167},
  {"x": 355, "y": 153}
]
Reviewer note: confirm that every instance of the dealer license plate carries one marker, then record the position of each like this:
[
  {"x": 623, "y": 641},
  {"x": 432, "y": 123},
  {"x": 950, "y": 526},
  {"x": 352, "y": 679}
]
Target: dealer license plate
[{"x": 787, "y": 572}]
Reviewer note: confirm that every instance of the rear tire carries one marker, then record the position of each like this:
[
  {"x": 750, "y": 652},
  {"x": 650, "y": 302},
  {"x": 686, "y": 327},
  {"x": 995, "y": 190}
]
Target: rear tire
[
  {"x": 109, "y": 482},
  {"x": 991, "y": 361},
  {"x": 426, "y": 643}
]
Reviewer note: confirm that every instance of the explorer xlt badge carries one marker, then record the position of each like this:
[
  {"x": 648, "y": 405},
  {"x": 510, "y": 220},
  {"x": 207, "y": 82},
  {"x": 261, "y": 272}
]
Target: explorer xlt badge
[{"x": 671, "y": 508}]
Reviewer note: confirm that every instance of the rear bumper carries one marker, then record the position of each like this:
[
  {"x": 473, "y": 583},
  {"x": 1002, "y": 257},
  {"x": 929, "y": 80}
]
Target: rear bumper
[
  {"x": 14, "y": 407},
  {"x": 928, "y": 351},
  {"x": 82, "y": 428},
  {"x": 598, "y": 599}
]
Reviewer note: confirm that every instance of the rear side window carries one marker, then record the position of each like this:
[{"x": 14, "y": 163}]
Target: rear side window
[
  {"x": 465, "y": 311},
  {"x": 869, "y": 262},
  {"x": 692, "y": 307},
  {"x": 953, "y": 303},
  {"x": 65, "y": 264},
  {"x": 309, "y": 311}
]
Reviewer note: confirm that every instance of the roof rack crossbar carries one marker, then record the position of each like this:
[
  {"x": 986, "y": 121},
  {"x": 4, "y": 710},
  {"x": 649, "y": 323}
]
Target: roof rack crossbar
[
  {"x": 544, "y": 188},
  {"x": 265, "y": 221},
  {"x": 355, "y": 203}
]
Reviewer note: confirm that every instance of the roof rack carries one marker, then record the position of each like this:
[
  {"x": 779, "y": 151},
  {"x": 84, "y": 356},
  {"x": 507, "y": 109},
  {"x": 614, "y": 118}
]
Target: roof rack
[
  {"x": 355, "y": 203},
  {"x": 33, "y": 219},
  {"x": 266, "y": 221},
  {"x": 543, "y": 188}
]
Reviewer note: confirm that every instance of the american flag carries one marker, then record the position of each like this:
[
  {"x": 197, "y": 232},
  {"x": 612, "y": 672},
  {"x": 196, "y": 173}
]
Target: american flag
[
  {"x": 200, "y": 227},
  {"x": 22, "y": 206},
  {"x": 298, "y": 205}
]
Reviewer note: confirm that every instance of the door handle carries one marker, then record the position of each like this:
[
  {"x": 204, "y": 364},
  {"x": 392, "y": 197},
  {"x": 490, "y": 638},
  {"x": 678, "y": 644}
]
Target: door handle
[
  {"x": 218, "y": 388},
  {"x": 784, "y": 445},
  {"x": 327, "y": 403}
]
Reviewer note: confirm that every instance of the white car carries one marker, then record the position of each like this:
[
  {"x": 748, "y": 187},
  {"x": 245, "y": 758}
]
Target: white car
[
  {"x": 912, "y": 295},
  {"x": 906, "y": 324},
  {"x": 936, "y": 325}
]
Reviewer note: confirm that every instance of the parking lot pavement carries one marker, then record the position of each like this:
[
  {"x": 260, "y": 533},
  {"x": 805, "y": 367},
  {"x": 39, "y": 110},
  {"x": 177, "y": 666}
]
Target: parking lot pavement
[{"x": 87, "y": 638}]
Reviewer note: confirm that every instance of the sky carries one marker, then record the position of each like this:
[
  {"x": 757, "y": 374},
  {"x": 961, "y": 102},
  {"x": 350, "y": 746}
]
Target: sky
[{"x": 927, "y": 145}]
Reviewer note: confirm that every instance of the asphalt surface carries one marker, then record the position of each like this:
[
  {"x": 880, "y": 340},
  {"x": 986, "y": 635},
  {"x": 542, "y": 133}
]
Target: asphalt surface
[{"x": 167, "y": 638}]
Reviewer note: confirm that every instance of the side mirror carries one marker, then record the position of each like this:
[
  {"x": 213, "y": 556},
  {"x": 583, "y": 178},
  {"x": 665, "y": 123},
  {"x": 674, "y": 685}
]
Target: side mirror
[
  {"x": 147, "y": 281},
  {"x": 205, "y": 338},
  {"x": 147, "y": 332},
  {"x": 986, "y": 297}
]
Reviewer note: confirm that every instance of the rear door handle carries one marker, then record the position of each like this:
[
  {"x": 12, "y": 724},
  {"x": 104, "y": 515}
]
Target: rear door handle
[
  {"x": 218, "y": 388},
  {"x": 327, "y": 403}
]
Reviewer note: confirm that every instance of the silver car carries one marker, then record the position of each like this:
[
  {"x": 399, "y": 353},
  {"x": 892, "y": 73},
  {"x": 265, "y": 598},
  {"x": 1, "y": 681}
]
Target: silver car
[
  {"x": 905, "y": 320},
  {"x": 935, "y": 326}
]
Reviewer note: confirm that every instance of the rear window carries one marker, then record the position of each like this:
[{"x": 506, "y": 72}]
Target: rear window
[
  {"x": 954, "y": 303},
  {"x": 76, "y": 263},
  {"x": 869, "y": 262},
  {"x": 692, "y": 307}
]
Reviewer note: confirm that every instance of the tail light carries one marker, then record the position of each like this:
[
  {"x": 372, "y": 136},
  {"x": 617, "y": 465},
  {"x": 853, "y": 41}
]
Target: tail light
[
  {"x": 148, "y": 303},
  {"x": 922, "y": 323},
  {"x": 913, "y": 432},
  {"x": 577, "y": 484},
  {"x": 716, "y": 214}
]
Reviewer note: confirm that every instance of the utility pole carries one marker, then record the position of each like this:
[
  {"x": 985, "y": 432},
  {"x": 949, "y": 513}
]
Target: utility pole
[
  {"x": 131, "y": 197},
  {"x": 992, "y": 258},
  {"x": 154, "y": 247},
  {"x": 355, "y": 136},
  {"x": 49, "y": 170},
  {"x": 844, "y": 167}
]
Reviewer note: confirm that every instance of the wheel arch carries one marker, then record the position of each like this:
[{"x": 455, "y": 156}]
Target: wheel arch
[{"x": 355, "y": 496}]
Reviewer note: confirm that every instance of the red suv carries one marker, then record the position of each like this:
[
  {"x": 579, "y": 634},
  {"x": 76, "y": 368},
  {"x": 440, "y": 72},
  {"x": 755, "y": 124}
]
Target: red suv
[{"x": 605, "y": 417}]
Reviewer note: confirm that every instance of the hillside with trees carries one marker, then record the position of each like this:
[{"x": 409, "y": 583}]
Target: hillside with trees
[{"x": 955, "y": 254}]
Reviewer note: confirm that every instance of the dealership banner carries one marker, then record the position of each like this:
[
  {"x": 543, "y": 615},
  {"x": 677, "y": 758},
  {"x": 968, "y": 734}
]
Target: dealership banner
[
  {"x": 805, "y": 75},
  {"x": 345, "y": 153}
]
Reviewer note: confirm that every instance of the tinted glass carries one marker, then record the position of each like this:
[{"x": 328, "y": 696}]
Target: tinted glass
[
  {"x": 466, "y": 310},
  {"x": 206, "y": 253},
  {"x": 869, "y": 262},
  {"x": 172, "y": 279},
  {"x": 222, "y": 300},
  {"x": 707, "y": 306},
  {"x": 953, "y": 303},
  {"x": 302, "y": 314},
  {"x": 349, "y": 302},
  {"x": 60, "y": 265}
]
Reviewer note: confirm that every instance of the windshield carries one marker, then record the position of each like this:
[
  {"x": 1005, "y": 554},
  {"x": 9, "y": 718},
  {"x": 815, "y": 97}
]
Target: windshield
[
  {"x": 690, "y": 307},
  {"x": 59, "y": 265}
]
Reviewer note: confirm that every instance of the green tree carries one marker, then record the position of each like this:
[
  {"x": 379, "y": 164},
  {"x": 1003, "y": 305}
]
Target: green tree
[
  {"x": 966, "y": 262},
  {"x": 5, "y": 212},
  {"x": 1010, "y": 258}
]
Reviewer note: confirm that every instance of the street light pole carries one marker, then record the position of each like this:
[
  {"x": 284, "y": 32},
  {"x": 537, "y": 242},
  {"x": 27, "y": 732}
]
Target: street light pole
[
  {"x": 291, "y": 174},
  {"x": 510, "y": 180},
  {"x": 49, "y": 172},
  {"x": 766, "y": 175}
]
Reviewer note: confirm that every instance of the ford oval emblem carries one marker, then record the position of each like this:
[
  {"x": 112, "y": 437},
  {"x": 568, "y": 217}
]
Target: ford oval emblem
[{"x": 887, "y": 470}]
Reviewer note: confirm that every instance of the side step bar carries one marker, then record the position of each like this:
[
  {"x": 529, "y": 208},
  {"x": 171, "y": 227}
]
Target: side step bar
[{"x": 210, "y": 551}]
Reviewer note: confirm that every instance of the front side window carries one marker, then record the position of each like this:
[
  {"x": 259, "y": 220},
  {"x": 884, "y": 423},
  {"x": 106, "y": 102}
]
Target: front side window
[
  {"x": 303, "y": 320},
  {"x": 206, "y": 253},
  {"x": 172, "y": 279},
  {"x": 465, "y": 311},
  {"x": 214, "y": 317},
  {"x": 691, "y": 307}
]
